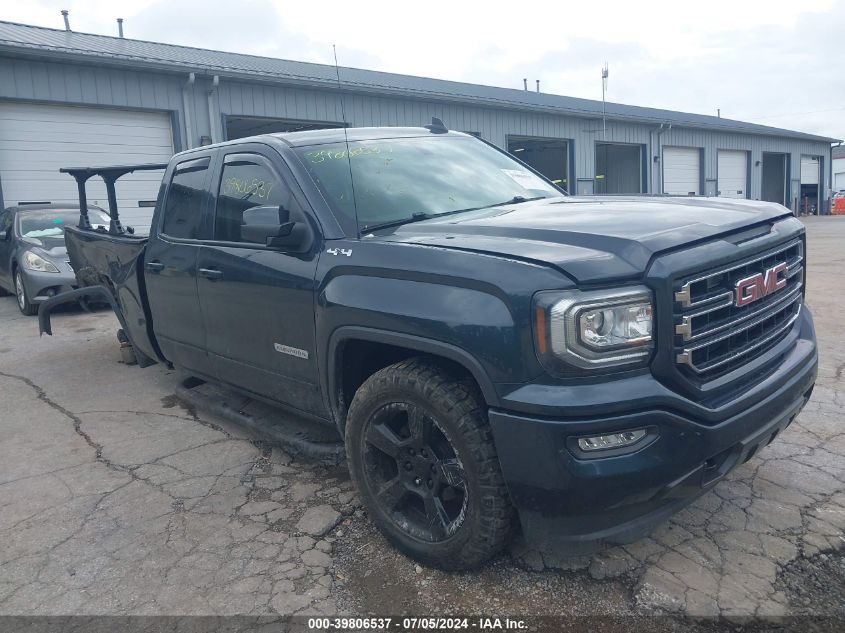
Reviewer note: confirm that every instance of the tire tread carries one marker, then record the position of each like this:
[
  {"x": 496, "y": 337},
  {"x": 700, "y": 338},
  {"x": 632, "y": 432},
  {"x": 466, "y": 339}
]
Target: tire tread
[{"x": 469, "y": 418}]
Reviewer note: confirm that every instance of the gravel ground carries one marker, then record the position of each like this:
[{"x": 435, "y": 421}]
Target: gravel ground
[
  {"x": 116, "y": 500},
  {"x": 816, "y": 585}
]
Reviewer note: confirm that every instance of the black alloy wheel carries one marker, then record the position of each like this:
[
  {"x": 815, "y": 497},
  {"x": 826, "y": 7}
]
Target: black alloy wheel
[
  {"x": 413, "y": 470},
  {"x": 422, "y": 456}
]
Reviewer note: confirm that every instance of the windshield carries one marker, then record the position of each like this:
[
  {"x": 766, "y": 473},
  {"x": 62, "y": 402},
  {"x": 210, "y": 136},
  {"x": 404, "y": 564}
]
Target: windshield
[
  {"x": 52, "y": 222},
  {"x": 397, "y": 179}
]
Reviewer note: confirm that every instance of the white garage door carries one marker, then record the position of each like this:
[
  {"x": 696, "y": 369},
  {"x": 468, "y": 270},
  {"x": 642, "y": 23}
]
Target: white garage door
[
  {"x": 681, "y": 171},
  {"x": 809, "y": 170},
  {"x": 36, "y": 140},
  {"x": 733, "y": 173}
]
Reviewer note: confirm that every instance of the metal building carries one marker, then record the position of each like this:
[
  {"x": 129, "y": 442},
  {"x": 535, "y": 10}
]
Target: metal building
[
  {"x": 70, "y": 98},
  {"x": 839, "y": 168}
]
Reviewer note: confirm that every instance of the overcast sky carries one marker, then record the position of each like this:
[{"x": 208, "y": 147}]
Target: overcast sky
[{"x": 774, "y": 62}]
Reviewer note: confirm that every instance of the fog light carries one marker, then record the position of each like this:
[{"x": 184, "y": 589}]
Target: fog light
[{"x": 611, "y": 440}]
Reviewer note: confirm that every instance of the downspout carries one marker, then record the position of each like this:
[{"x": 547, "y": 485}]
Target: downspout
[
  {"x": 659, "y": 132},
  {"x": 212, "y": 121},
  {"x": 189, "y": 124}
]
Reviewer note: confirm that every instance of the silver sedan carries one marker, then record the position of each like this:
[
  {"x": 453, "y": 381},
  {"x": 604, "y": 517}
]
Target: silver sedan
[{"x": 33, "y": 258}]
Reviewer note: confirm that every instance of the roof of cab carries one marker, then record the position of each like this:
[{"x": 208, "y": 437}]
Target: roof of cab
[{"x": 336, "y": 135}]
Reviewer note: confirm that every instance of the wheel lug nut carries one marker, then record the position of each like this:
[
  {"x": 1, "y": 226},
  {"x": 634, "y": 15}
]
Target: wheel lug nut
[
  {"x": 430, "y": 484},
  {"x": 411, "y": 452},
  {"x": 423, "y": 453},
  {"x": 418, "y": 481},
  {"x": 408, "y": 466}
]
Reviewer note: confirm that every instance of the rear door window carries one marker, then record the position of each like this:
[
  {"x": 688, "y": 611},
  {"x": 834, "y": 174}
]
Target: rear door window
[{"x": 186, "y": 197}]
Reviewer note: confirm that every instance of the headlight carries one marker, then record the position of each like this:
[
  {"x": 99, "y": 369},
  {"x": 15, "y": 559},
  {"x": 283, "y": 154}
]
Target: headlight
[
  {"x": 593, "y": 330},
  {"x": 32, "y": 261}
]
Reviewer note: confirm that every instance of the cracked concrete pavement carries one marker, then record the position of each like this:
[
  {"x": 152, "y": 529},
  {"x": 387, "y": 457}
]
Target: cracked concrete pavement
[{"x": 116, "y": 500}]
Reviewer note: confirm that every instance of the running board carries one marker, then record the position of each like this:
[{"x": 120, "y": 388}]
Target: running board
[{"x": 296, "y": 435}]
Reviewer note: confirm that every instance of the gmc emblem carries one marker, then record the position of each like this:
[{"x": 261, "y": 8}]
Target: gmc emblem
[{"x": 757, "y": 286}]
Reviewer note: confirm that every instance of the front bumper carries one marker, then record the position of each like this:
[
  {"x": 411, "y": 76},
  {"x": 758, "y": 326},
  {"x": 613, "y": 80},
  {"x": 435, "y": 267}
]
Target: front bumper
[
  {"x": 41, "y": 286},
  {"x": 574, "y": 505}
]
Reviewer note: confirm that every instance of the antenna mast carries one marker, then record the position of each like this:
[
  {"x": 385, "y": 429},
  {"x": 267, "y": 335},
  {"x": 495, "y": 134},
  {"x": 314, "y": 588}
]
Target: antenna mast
[
  {"x": 346, "y": 140},
  {"x": 604, "y": 76}
]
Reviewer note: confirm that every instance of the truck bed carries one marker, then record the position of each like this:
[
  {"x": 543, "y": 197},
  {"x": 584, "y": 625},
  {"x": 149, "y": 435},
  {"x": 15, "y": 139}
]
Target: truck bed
[{"x": 116, "y": 262}]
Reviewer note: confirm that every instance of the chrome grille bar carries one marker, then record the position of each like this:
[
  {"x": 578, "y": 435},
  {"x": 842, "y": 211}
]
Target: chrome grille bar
[
  {"x": 684, "y": 295},
  {"x": 685, "y": 357},
  {"x": 686, "y": 326}
]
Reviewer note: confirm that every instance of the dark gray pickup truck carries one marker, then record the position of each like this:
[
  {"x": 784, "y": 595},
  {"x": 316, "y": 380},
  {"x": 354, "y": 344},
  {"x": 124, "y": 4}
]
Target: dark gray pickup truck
[{"x": 495, "y": 353}]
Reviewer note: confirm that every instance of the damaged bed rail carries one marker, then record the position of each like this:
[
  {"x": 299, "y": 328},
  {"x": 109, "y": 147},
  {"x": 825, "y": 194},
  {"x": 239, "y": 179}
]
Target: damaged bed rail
[
  {"x": 109, "y": 176},
  {"x": 98, "y": 293},
  {"x": 106, "y": 264}
]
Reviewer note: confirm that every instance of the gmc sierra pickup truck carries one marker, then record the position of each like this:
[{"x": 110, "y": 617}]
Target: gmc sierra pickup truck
[{"x": 495, "y": 354}]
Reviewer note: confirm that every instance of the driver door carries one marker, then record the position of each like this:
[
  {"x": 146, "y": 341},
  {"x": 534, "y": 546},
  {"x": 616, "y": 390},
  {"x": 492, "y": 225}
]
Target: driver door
[{"x": 258, "y": 302}]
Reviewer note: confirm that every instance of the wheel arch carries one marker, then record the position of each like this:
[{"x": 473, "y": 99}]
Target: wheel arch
[{"x": 394, "y": 346}]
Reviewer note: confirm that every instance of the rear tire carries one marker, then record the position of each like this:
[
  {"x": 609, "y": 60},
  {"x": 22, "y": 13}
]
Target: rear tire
[
  {"x": 422, "y": 456},
  {"x": 26, "y": 307}
]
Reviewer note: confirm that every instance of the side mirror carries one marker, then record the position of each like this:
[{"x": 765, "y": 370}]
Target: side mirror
[{"x": 272, "y": 226}]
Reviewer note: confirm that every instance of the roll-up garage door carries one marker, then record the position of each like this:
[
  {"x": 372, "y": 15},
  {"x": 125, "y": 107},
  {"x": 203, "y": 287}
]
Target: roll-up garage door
[
  {"x": 36, "y": 140},
  {"x": 682, "y": 171},
  {"x": 809, "y": 170},
  {"x": 733, "y": 173}
]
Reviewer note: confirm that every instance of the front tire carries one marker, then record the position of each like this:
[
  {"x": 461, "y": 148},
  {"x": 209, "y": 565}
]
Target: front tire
[
  {"x": 422, "y": 456},
  {"x": 26, "y": 307}
]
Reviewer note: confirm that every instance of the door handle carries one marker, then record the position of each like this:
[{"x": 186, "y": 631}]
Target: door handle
[
  {"x": 211, "y": 273},
  {"x": 154, "y": 266}
]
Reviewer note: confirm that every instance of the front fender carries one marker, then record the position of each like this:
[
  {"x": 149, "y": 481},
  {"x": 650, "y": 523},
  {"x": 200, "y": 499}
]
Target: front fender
[{"x": 470, "y": 326}]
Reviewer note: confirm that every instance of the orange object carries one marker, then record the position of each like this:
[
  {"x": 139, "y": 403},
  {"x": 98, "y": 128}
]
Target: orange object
[
  {"x": 540, "y": 325},
  {"x": 838, "y": 207}
]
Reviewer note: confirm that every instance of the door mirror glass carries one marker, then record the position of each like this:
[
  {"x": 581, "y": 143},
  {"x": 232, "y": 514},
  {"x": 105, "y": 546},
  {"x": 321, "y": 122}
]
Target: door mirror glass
[
  {"x": 271, "y": 226},
  {"x": 270, "y": 214},
  {"x": 262, "y": 223}
]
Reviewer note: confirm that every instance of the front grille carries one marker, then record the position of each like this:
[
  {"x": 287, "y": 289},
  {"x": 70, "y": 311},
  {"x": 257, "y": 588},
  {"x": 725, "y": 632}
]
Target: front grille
[{"x": 713, "y": 335}]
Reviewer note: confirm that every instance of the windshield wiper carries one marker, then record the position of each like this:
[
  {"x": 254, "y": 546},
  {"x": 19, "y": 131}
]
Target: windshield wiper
[
  {"x": 514, "y": 200},
  {"x": 416, "y": 217}
]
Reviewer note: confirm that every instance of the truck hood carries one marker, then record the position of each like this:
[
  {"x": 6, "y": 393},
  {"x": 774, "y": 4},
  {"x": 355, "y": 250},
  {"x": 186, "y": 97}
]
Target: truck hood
[{"x": 590, "y": 238}]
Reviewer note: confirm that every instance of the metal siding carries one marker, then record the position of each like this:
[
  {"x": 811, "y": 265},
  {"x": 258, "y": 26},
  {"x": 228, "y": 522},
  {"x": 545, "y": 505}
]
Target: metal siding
[
  {"x": 73, "y": 83},
  {"x": 20, "y": 39}
]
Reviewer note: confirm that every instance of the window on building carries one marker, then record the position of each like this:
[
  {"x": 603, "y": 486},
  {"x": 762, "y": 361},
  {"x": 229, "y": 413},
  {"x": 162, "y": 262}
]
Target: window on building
[
  {"x": 250, "y": 193},
  {"x": 185, "y": 198}
]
